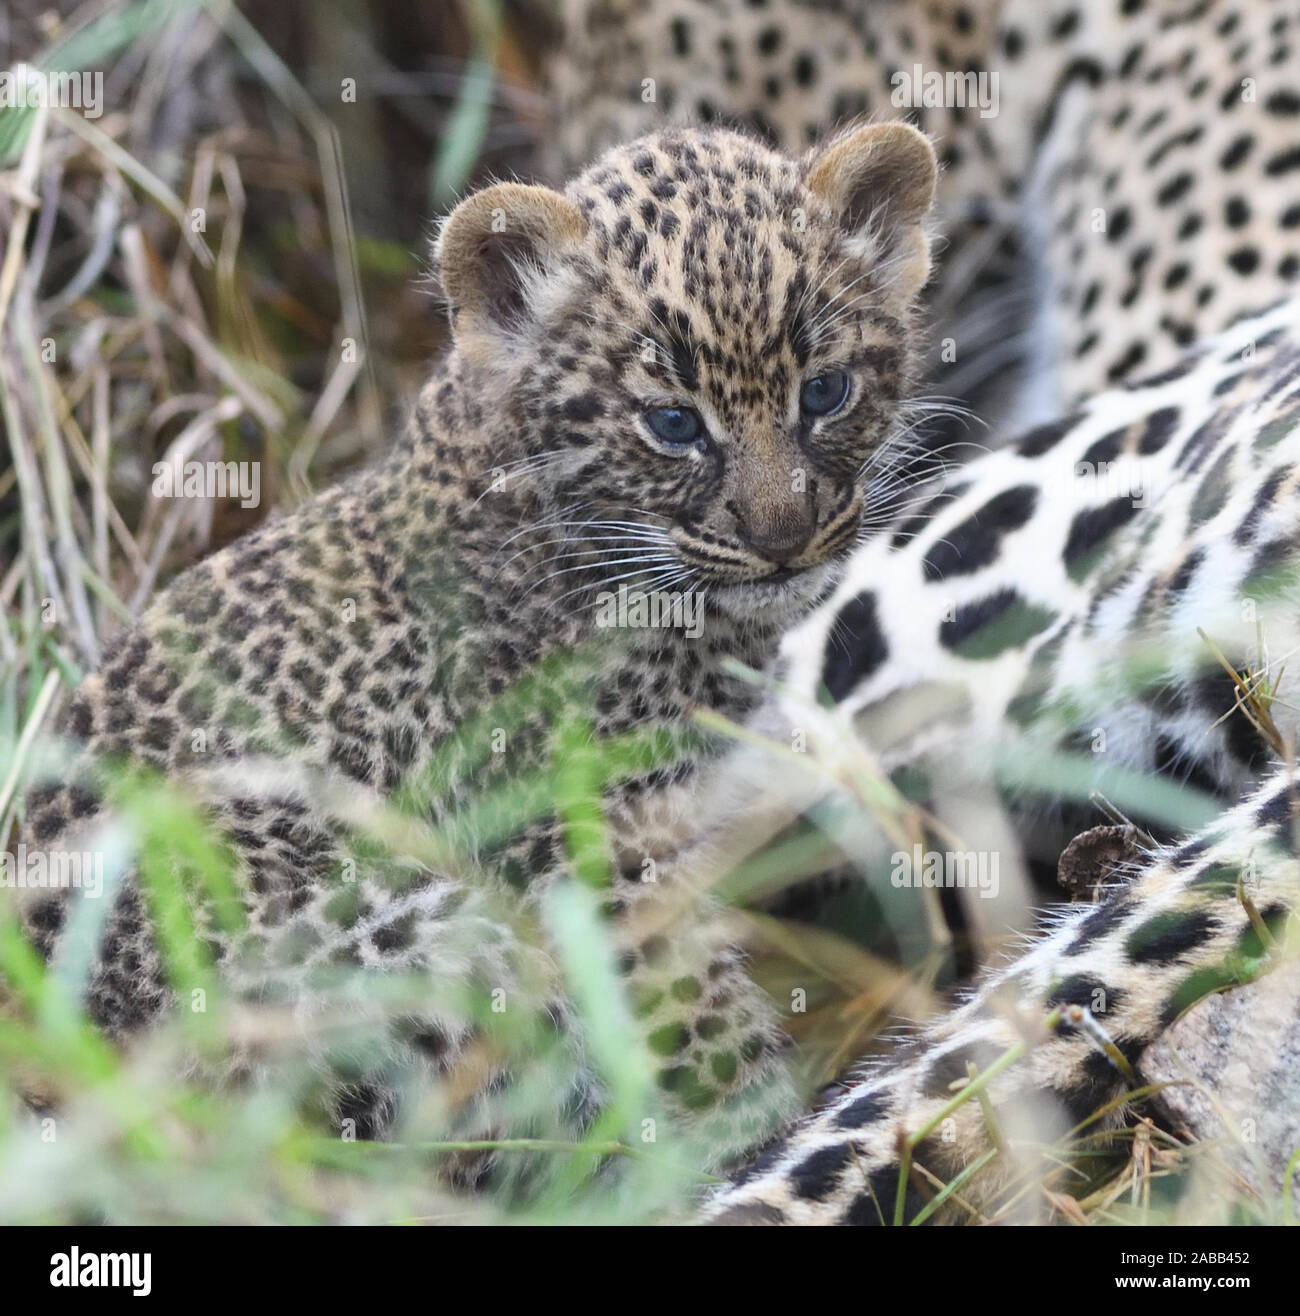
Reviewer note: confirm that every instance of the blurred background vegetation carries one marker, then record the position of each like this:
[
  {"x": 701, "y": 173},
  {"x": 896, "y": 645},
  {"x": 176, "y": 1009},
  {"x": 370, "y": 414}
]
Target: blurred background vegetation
[
  {"x": 230, "y": 257},
  {"x": 227, "y": 263}
]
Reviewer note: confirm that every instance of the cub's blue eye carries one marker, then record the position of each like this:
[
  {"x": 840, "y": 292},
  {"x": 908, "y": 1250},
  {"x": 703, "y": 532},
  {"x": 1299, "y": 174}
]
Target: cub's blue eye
[
  {"x": 824, "y": 394},
  {"x": 675, "y": 425}
]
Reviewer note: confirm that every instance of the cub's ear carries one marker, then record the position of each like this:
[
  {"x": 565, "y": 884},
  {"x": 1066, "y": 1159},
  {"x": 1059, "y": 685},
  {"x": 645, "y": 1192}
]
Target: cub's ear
[
  {"x": 495, "y": 250},
  {"x": 879, "y": 181}
]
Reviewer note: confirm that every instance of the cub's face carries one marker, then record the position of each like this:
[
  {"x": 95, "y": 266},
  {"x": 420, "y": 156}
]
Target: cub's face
[{"x": 704, "y": 343}]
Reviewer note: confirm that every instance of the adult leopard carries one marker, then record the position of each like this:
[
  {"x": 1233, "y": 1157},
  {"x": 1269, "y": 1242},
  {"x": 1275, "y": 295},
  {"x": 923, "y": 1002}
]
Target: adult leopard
[
  {"x": 1072, "y": 609},
  {"x": 1120, "y": 178}
]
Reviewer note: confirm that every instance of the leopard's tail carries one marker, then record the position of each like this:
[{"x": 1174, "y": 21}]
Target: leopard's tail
[{"x": 946, "y": 1127}]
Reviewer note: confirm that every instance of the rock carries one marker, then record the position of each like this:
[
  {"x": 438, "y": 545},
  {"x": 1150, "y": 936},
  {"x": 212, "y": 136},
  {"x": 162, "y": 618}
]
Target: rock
[{"x": 1241, "y": 1049}]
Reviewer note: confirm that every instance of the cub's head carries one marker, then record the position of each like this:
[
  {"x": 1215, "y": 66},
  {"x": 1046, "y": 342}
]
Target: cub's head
[{"x": 698, "y": 347}]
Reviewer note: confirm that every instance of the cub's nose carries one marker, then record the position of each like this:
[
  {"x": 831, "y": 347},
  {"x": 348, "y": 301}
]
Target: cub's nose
[{"x": 781, "y": 540}]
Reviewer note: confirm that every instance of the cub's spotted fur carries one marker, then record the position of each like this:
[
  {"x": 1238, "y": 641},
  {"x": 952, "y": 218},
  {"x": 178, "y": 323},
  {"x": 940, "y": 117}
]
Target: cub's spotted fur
[{"x": 671, "y": 376}]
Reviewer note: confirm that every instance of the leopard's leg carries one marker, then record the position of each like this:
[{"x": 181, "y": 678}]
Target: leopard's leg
[
  {"x": 1055, "y": 1035},
  {"x": 492, "y": 1046},
  {"x": 719, "y": 1051},
  {"x": 325, "y": 919}
]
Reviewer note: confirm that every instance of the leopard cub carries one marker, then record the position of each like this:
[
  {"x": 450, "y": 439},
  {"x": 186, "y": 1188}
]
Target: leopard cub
[{"x": 670, "y": 378}]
